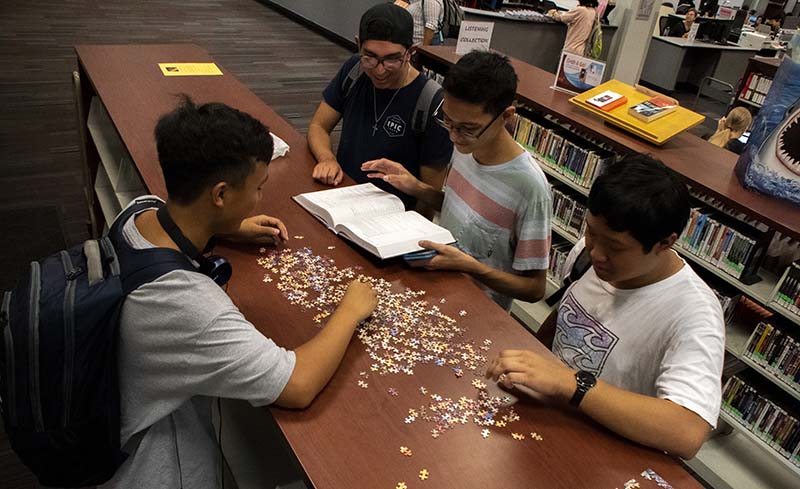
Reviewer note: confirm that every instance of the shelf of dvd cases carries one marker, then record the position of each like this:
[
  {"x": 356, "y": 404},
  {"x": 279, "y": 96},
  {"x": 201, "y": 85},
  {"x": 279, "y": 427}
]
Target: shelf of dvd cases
[
  {"x": 737, "y": 338},
  {"x": 772, "y": 428},
  {"x": 786, "y": 299},
  {"x": 734, "y": 423}
]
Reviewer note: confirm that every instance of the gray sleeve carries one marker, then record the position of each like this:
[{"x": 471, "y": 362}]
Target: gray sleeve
[{"x": 232, "y": 359}]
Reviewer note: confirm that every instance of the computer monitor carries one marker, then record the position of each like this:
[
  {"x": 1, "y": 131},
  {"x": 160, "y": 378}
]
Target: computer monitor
[
  {"x": 736, "y": 27},
  {"x": 716, "y": 31}
]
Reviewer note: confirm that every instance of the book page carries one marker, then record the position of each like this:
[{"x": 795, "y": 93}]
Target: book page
[
  {"x": 347, "y": 204},
  {"x": 396, "y": 234}
]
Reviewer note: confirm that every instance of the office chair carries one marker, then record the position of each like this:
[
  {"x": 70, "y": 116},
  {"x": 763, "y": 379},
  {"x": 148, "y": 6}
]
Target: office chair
[{"x": 662, "y": 25}]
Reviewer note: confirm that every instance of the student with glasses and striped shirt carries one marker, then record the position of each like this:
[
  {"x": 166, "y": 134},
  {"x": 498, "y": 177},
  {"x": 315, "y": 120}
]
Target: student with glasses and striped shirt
[{"x": 497, "y": 201}]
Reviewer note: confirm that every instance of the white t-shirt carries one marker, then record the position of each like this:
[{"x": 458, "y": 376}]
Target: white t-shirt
[
  {"x": 665, "y": 340},
  {"x": 182, "y": 342}
]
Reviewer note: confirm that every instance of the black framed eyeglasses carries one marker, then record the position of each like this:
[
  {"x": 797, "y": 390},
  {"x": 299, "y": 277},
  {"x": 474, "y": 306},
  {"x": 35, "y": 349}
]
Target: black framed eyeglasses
[
  {"x": 391, "y": 62},
  {"x": 441, "y": 118}
]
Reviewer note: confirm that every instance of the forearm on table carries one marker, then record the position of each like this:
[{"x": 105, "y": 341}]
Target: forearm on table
[
  {"x": 319, "y": 142},
  {"x": 654, "y": 422},
  {"x": 317, "y": 359},
  {"x": 529, "y": 288}
]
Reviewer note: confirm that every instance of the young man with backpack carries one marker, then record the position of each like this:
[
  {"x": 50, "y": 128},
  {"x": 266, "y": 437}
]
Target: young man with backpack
[
  {"x": 180, "y": 340},
  {"x": 385, "y": 106},
  {"x": 497, "y": 200},
  {"x": 639, "y": 338}
]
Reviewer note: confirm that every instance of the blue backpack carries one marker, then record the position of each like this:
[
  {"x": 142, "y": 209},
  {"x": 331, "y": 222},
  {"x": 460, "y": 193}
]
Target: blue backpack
[{"x": 58, "y": 360}]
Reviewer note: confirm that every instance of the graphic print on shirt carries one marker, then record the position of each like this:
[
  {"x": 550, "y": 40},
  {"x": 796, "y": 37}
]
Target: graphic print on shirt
[
  {"x": 581, "y": 341},
  {"x": 394, "y": 126}
]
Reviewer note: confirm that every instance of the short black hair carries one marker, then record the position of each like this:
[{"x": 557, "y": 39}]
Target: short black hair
[
  {"x": 202, "y": 145},
  {"x": 640, "y": 195},
  {"x": 588, "y": 3},
  {"x": 483, "y": 77}
]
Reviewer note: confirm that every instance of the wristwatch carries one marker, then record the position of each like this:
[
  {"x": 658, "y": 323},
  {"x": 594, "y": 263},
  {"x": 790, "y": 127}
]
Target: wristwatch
[{"x": 585, "y": 380}]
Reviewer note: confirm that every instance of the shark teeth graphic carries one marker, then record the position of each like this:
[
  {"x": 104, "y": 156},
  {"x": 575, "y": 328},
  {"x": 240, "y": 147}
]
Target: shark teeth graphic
[{"x": 788, "y": 148}]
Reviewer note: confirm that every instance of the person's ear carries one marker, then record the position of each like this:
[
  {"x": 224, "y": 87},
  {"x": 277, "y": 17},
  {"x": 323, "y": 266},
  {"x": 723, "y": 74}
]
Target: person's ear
[
  {"x": 218, "y": 194},
  {"x": 666, "y": 243}
]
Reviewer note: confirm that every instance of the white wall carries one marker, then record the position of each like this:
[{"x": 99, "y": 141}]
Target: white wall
[{"x": 631, "y": 41}]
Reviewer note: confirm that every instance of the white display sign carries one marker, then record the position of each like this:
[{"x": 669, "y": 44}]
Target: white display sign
[{"x": 474, "y": 35}]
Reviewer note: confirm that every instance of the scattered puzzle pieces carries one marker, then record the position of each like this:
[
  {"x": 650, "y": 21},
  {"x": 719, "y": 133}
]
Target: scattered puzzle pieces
[
  {"x": 517, "y": 436},
  {"x": 392, "y": 391},
  {"x": 423, "y": 474},
  {"x": 406, "y": 451},
  {"x": 362, "y": 384},
  {"x": 401, "y": 485},
  {"x": 485, "y": 432},
  {"x": 478, "y": 384}
]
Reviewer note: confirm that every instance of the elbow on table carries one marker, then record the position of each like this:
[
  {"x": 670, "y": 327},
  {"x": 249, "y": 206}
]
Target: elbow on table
[
  {"x": 689, "y": 443},
  {"x": 534, "y": 292}
]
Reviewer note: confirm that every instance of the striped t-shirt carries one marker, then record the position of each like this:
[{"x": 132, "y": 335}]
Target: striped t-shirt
[{"x": 499, "y": 214}]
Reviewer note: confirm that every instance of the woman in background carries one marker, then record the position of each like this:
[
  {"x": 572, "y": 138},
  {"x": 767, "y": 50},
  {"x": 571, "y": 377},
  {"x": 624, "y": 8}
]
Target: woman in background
[
  {"x": 580, "y": 22},
  {"x": 730, "y": 128}
]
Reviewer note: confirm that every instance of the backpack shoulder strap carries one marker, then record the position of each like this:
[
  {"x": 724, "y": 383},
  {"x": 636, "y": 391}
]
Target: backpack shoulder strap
[
  {"x": 134, "y": 266},
  {"x": 582, "y": 263},
  {"x": 352, "y": 77},
  {"x": 427, "y": 103}
]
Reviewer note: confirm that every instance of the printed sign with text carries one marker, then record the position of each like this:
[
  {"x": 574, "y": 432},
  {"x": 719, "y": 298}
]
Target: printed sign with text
[{"x": 474, "y": 35}]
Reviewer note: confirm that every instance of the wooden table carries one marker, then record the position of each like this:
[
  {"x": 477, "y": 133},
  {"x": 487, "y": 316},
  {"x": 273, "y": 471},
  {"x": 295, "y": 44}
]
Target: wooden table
[
  {"x": 706, "y": 167},
  {"x": 350, "y": 437}
]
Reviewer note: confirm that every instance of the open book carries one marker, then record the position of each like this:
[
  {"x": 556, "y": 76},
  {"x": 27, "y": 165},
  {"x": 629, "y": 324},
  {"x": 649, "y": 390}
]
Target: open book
[{"x": 373, "y": 219}]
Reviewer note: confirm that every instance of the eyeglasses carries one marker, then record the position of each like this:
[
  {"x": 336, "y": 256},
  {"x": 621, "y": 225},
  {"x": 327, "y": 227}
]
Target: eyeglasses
[
  {"x": 391, "y": 62},
  {"x": 441, "y": 118}
]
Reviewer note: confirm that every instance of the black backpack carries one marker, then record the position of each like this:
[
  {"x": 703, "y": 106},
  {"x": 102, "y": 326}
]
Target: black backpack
[
  {"x": 451, "y": 20},
  {"x": 582, "y": 263},
  {"x": 58, "y": 360}
]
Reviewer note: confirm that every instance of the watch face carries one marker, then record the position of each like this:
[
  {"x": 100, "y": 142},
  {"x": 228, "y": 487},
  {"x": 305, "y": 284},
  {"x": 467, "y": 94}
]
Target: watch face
[{"x": 586, "y": 378}]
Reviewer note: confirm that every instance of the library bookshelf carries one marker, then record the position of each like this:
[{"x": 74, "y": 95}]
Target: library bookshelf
[{"x": 735, "y": 457}]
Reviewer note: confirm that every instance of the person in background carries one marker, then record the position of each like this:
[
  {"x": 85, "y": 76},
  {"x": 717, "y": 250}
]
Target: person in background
[
  {"x": 612, "y": 4},
  {"x": 681, "y": 29},
  {"x": 759, "y": 21},
  {"x": 639, "y": 339},
  {"x": 428, "y": 16},
  {"x": 776, "y": 22},
  {"x": 580, "y": 22},
  {"x": 730, "y": 128}
]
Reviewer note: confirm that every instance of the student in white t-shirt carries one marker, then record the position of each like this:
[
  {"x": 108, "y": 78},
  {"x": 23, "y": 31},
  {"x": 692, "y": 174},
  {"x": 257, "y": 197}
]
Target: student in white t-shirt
[
  {"x": 182, "y": 341},
  {"x": 640, "y": 337}
]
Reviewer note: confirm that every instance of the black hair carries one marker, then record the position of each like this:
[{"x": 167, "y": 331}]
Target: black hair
[
  {"x": 588, "y": 3},
  {"x": 483, "y": 77},
  {"x": 202, "y": 145},
  {"x": 640, "y": 195}
]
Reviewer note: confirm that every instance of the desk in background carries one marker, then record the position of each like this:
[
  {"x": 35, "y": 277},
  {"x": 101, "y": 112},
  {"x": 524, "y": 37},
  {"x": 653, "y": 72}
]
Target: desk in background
[
  {"x": 350, "y": 437},
  {"x": 536, "y": 43},
  {"x": 673, "y": 59}
]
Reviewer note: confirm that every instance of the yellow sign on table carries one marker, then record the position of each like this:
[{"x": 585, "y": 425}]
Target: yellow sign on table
[
  {"x": 657, "y": 132},
  {"x": 189, "y": 69}
]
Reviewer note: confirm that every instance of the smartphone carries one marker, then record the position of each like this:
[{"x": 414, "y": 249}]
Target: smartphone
[{"x": 420, "y": 255}]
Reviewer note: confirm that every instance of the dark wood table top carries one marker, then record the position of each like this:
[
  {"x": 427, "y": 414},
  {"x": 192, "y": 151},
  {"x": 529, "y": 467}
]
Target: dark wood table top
[
  {"x": 707, "y": 167},
  {"x": 351, "y": 436}
]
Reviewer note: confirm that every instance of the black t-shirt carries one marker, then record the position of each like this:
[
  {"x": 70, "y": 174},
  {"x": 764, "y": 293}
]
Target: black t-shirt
[
  {"x": 735, "y": 146},
  {"x": 394, "y": 138}
]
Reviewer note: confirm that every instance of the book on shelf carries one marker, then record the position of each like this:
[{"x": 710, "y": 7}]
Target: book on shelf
[
  {"x": 568, "y": 213},
  {"x": 788, "y": 295},
  {"x": 777, "y": 351},
  {"x": 777, "y": 427},
  {"x": 559, "y": 250},
  {"x": 756, "y": 88},
  {"x": 373, "y": 219},
  {"x": 730, "y": 245},
  {"x": 652, "y": 109},
  {"x": 578, "y": 160},
  {"x": 608, "y": 100}
]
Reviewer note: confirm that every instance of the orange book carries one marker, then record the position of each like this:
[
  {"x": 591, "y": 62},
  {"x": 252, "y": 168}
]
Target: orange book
[{"x": 608, "y": 100}]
